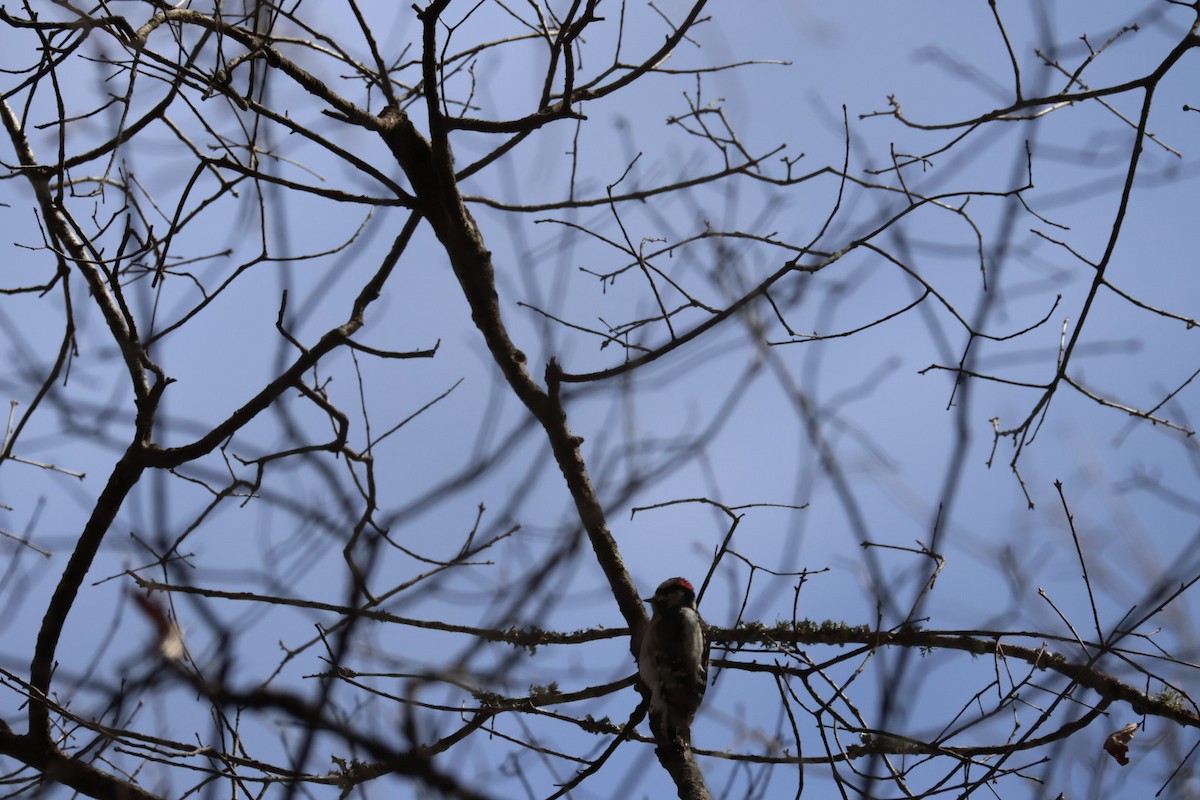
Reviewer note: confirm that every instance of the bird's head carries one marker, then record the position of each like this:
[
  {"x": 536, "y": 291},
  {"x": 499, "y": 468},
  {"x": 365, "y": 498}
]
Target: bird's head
[{"x": 672, "y": 593}]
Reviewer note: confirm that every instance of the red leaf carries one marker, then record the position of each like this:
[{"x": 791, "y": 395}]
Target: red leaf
[{"x": 168, "y": 634}]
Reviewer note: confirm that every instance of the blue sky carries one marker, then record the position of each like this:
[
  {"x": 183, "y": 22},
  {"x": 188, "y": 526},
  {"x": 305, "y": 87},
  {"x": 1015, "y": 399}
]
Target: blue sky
[{"x": 900, "y": 452}]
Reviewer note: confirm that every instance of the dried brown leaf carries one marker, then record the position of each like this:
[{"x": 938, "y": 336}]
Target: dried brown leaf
[{"x": 1117, "y": 743}]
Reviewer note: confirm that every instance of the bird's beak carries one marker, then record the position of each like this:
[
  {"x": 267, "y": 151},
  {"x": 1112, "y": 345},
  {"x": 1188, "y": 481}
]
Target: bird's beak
[{"x": 647, "y": 599}]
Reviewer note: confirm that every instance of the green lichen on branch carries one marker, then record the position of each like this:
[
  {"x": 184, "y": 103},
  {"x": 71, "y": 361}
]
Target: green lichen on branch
[
  {"x": 526, "y": 638},
  {"x": 803, "y": 631},
  {"x": 603, "y": 725},
  {"x": 1170, "y": 697},
  {"x": 351, "y": 773},
  {"x": 542, "y": 695},
  {"x": 491, "y": 700}
]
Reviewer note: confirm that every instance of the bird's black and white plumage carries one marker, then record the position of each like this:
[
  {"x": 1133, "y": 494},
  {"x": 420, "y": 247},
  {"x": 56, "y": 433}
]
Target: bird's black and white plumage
[{"x": 673, "y": 661}]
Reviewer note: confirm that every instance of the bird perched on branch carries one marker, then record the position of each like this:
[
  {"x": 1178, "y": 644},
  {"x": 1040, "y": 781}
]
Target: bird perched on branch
[{"x": 673, "y": 661}]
